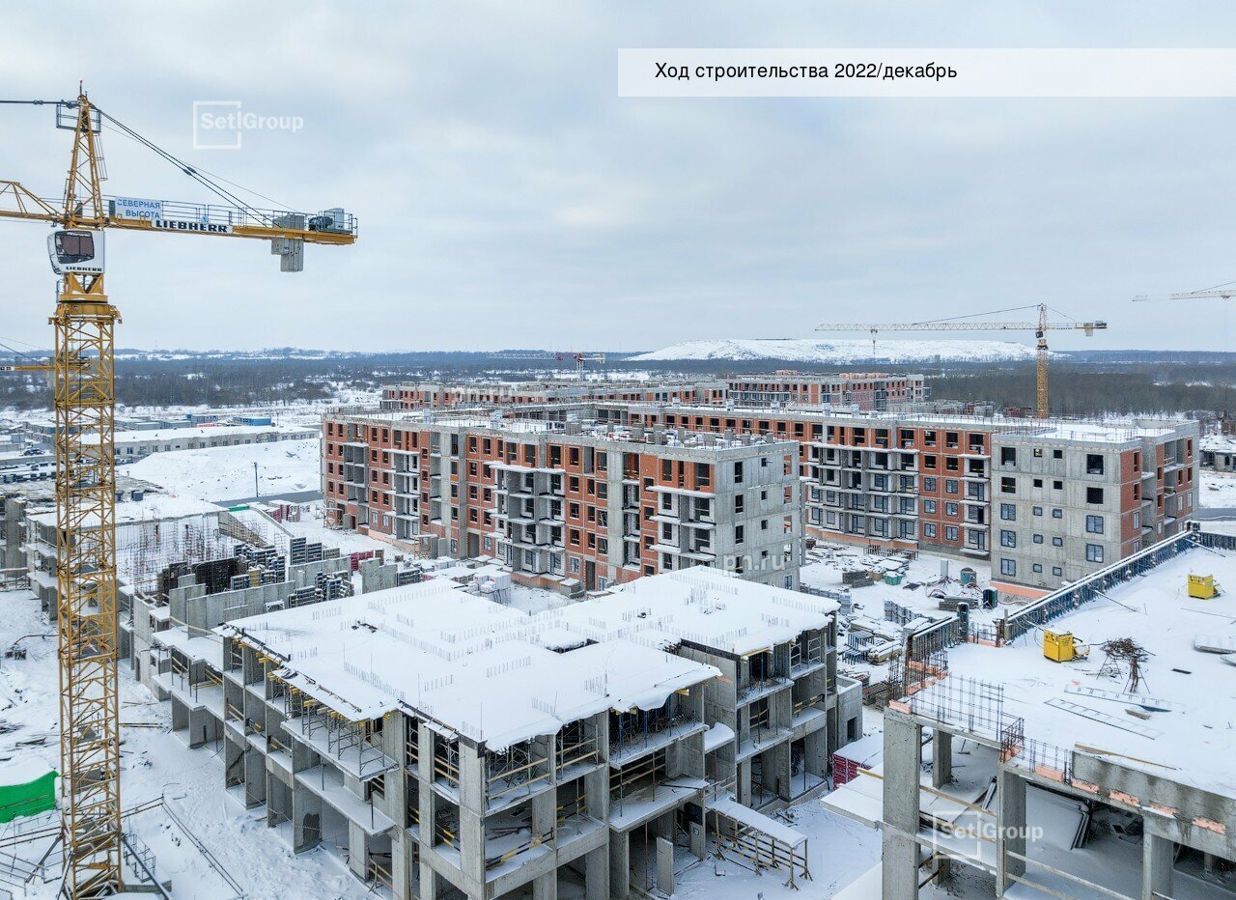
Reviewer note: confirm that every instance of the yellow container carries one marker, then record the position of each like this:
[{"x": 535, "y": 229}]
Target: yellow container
[
  {"x": 1202, "y": 587},
  {"x": 1060, "y": 646}
]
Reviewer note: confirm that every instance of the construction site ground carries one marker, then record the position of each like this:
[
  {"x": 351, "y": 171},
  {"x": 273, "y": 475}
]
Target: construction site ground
[
  {"x": 155, "y": 764},
  {"x": 922, "y": 577}
]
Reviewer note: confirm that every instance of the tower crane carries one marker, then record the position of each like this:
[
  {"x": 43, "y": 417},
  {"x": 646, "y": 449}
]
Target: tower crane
[
  {"x": 1220, "y": 292},
  {"x": 580, "y": 358},
  {"x": 83, "y": 369},
  {"x": 965, "y": 323}
]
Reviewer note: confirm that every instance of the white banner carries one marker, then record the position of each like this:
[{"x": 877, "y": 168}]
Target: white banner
[
  {"x": 755, "y": 72},
  {"x": 136, "y": 208}
]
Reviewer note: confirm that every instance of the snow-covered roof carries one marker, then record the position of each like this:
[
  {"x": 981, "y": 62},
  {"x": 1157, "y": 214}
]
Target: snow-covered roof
[
  {"x": 206, "y": 431},
  {"x": 151, "y": 508},
  {"x": 703, "y": 606},
  {"x": 1193, "y": 739},
  {"x": 1115, "y": 429},
  {"x": 1095, "y": 432},
  {"x": 1218, "y": 443},
  {"x": 470, "y": 665}
]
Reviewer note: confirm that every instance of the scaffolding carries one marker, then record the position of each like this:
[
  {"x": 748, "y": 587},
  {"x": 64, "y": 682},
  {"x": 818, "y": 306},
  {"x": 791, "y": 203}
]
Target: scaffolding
[
  {"x": 575, "y": 744},
  {"x": 446, "y": 760},
  {"x": 760, "y": 842},
  {"x": 513, "y": 769},
  {"x": 642, "y": 775},
  {"x": 1075, "y": 595},
  {"x": 808, "y": 650},
  {"x": 159, "y": 546},
  {"x": 633, "y": 730},
  {"x": 344, "y": 737}
]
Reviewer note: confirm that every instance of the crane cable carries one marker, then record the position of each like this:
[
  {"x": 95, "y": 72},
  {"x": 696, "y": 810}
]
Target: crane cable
[
  {"x": 197, "y": 174},
  {"x": 189, "y": 170},
  {"x": 271, "y": 200}
]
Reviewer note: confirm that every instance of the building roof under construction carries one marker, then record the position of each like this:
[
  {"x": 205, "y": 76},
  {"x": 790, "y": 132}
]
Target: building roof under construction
[
  {"x": 466, "y": 664},
  {"x": 702, "y": 606},
  {"x": 498, "y": 675},
  {"x": 1183, "y": 721}
]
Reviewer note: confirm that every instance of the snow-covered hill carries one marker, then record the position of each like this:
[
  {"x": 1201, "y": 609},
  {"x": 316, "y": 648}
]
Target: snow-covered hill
[{"x": 821, "y": 350}]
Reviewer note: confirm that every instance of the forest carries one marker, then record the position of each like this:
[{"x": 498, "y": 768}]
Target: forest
[{"x": 1082, "y": 385}]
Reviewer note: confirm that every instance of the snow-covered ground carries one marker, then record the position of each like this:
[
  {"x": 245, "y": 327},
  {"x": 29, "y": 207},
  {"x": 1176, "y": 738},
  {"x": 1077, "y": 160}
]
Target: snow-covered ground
[
  {"x": 920, "y": 579},
  {"x": 821, "y": 350},
  {"x": 156, "y": 762},
  {"x": 226, "y": 473},
  {"x": 1218, "y": 489},
  {"x": 535, "y": 600},
  {"x": 311, "y": 527},
  {"x": 838, "y": 851}
]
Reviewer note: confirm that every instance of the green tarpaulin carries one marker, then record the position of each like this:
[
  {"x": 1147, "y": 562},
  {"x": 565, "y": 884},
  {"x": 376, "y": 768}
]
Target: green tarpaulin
[{"x": 28, "y": 798}]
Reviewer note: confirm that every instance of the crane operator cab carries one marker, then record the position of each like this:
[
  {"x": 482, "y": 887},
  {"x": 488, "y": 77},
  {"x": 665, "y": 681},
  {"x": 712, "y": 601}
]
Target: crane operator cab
[{"x": 76, "y": 252}]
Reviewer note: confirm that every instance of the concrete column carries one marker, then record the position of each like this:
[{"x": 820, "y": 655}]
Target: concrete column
[
  {"x": 698, "y": 842},
  {"x": 619, "y": 865},
  {"x": 401, "y": 864},
  {"x": 544, "y": 812},
  {"x": 665, "y": 866},
  {"x": 776, "y": 765},
  {"x": 815, "y": 753},
  {"x": 306, "y": 819},
  {"x": 545, "y": 887},
  {"x": 255, "y": 778},
  {"x": 903, "y": 758},
  {"x": 472, "y": 850},
  {"x": 358, "y": 851},
  {"x": 941, "y": 758},
  {"x": 429, "y": 881},
  {"x": 1010, "y": 829},
  {"x": 596, "y": 874},
  {"x": 1158, "y": 860}
]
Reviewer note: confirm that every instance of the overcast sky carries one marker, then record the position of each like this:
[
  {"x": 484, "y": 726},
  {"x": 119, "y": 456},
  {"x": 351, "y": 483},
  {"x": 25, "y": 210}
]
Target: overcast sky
[{"x": 508, "y": 198}]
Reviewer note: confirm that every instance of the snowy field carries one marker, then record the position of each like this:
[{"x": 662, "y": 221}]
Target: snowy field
[
  {"x": 226, "y": 473},
  {"x": 155, "y": 762},
  {"x": 1218, "y": 489}
]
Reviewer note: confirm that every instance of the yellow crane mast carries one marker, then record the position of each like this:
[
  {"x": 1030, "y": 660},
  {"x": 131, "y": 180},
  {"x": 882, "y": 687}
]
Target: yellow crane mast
[
  {"x": 83, "y": 378},
  {"x": 965, "y": 323}
]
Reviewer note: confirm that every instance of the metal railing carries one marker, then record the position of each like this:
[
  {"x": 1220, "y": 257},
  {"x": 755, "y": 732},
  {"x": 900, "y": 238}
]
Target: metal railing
[{"x": 1075, "y": 595}]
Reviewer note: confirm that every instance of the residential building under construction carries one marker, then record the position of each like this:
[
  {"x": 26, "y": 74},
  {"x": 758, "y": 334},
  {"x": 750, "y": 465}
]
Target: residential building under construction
[
  {"x": 567, "y": 505},
  {"x": 1046, "y": 501},
  {"x": 446, "y": 745},
  {"x": 785, "y": 387},
  {"x": 1081, "y": 749}
]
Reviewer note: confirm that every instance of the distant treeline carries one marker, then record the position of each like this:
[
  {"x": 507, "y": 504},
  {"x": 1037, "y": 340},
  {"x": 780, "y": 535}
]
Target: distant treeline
[
  {"x": 1103, "y": 383},
  {"x": 1092, "y": 390}
]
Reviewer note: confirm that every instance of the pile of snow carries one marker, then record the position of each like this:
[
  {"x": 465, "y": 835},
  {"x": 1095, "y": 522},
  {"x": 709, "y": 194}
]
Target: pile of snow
[
  {"x": 226, "y": 473},
  {"x": 819, "y": 350}
]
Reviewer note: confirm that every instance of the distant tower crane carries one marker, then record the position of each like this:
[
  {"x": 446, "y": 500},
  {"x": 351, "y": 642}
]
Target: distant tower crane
[
  {"x": 580, "y": 358},
  {"x": 83, "y": 377},
  {"x": 961, "y": 323},
  {"x": 1220, "y": 292}
]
